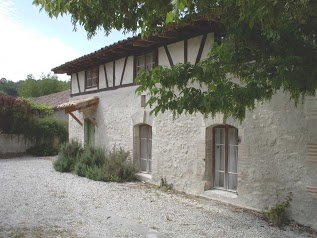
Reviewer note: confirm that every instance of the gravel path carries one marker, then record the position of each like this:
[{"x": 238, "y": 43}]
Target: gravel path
[{"x": 36, "y": 201}]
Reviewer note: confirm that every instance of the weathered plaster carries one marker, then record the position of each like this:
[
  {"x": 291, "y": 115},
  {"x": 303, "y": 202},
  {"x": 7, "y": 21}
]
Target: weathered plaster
[{"x": 272, "y": 153}]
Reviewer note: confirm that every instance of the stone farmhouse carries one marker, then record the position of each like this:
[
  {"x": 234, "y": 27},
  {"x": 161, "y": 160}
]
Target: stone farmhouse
[{"x": 255, "y": 164}]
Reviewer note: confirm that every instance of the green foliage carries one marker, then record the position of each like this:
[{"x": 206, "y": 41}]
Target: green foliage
[
  {"x": 111, "y": 14},
  {"x": 48, "y": 133},
  {"x": 268, "y": 45},
  {"x": 42, "y": 150},
  {"x": 90, "y": 159},
  {"x": 277, "y": 214},
  {"x": 42, "y": 110},
  {"x": 68, "y": 156},
  {"x": 47, "y": 84},
  {"x": 72, "y": 149},
  {"x": 9, "y": 88},
  {"x": 95, "y": 163},
  {"x": 47, "y": 130},
  {"x": 15, "y": 115},
  {"x": 2, "y": 93},
  {"x": 116, "y": 166}
]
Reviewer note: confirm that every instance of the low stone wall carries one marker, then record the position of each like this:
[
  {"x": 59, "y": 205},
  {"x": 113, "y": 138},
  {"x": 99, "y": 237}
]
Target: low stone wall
[{"x": 13, "y": 144}]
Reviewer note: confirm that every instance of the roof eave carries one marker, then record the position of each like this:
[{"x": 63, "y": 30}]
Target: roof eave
[{"x": 133, "y": 45}]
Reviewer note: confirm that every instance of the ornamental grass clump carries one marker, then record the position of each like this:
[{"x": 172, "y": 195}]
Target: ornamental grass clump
[{"x": 95, "y": 163}]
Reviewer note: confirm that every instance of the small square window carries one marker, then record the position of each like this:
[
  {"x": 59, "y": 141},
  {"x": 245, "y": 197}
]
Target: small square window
[
  {"x": 92, "y": 77},
  {"x": 146, "y": 61},
  {"x": 143, "y": 100}
]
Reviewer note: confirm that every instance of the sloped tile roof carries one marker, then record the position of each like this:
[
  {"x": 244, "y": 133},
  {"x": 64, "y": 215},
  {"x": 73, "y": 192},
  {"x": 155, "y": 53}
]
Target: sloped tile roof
[
  {"x": 80, "y": 103},
  {"x": 54, "y": 99},
  {"x": 137, "y": 44}
]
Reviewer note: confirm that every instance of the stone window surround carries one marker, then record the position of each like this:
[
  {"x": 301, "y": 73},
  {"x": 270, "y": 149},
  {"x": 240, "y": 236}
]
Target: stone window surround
[{"x": 142, "y": 117}]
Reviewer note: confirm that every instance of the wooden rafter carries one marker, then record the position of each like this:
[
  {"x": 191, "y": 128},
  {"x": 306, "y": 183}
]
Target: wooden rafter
[
  {"x": 90, "y": 118},
  {"x": 73, "y": 116},
  {"x": 92, "y": 107},
  {"x": 81, "y": 105}
]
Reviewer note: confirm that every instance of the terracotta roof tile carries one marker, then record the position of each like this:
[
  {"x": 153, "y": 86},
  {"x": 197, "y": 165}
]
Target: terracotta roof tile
[{"x": 54, "y": 99}]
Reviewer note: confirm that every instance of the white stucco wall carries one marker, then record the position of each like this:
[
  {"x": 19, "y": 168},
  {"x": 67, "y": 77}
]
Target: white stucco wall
[
  {"x": 74, "y": 85},
  {"x": 272, "y": 154}
]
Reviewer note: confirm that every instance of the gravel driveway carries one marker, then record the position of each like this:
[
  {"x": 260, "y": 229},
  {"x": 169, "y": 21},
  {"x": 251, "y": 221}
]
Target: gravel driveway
[{"x": 37, "y": 201}]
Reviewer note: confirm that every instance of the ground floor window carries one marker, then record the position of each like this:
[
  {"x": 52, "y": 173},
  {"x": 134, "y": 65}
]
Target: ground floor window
[
  {"x": 89, "y": 135},
  {"x": 146, "y": 148},
  {"x": 225, "y": 157},
  {"x": 142, "y": 147}
]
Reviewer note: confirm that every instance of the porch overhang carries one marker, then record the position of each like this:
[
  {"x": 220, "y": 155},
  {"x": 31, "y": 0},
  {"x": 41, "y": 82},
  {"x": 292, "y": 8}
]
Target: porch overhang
[{"x": 81, "y": 105}]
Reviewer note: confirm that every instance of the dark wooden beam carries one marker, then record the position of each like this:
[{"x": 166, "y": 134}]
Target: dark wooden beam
[
  {"x": 106, "y": 77},
  {"x": 185, "y": 51},
  {"x": 73, "y": 116},
  {"x": 201, "y": 48},
  {"x": 78, "y": 82},
  {"x": 123, "y": 70},
  {"x": 169, "y": 56},
  {"x": 114, "y": 73}
]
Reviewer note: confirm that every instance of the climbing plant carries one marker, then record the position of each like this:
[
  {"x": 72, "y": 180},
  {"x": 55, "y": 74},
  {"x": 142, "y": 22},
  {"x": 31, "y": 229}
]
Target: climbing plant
[{"x": 33, "y": 121}]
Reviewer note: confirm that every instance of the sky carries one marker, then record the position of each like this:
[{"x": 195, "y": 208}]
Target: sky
[{"x": 33, "y": 43}]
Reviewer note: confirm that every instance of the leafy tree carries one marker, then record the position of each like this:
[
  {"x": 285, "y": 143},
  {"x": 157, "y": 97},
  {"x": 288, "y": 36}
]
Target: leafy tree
[
  {"x": 47, "y": 84},
  {"x": 9, "y": 88},
  {"x": 268, "y": 45}
]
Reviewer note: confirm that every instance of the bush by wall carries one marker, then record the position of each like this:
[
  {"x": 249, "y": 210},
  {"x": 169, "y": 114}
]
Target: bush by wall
[
  {"x": 15, "y": 115},
  {"x": 21, "y": 117},
  {"x": 95, "y": 163},
  {"x": 46, "y": 130}
]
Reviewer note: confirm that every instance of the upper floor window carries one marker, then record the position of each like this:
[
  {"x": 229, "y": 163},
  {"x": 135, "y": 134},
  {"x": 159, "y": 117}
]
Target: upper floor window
[
  {"x": 92, "y": 77},
  {"x": 147, "y": 62}
]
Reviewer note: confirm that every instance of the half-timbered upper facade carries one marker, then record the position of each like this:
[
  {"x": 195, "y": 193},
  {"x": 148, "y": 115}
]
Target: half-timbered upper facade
[
  {"x": 253, "y": 164},
  {"x": 117, "y": 65}
]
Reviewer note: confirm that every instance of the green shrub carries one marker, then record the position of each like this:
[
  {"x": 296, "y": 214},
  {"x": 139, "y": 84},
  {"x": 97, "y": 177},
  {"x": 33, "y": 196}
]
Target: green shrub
[
  {"x": 42, "y": 150},
  {"x": 23, "y": 117},
  {"x": 47, "y": 130},
  {"x": 72, "y": 149},
  {"x": 63, "y": 164},
  {"x": 68, "y": 156},
  {"x": 95, "y": 173},
  {"x": 95, "y": 163},
  {"x": 117, "y": 166},
  {"x": 277, "y": 214},
  {"x": 15, "y": 115},
  {"x": 91, "y": 160}
]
